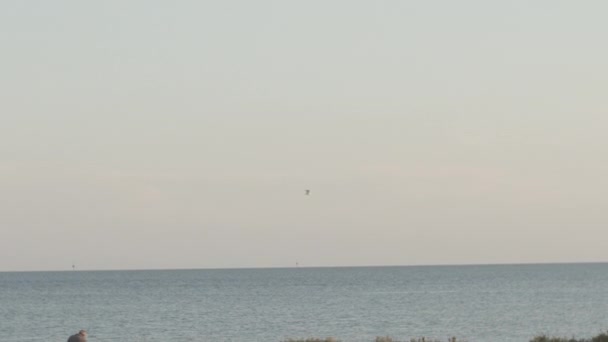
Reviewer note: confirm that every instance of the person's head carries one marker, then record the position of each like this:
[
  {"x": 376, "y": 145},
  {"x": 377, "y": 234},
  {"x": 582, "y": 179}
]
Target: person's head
[{"x": 82, "y": 333}]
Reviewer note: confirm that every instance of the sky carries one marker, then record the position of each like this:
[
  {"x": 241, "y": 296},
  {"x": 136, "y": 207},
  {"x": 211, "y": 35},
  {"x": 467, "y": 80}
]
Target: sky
[{"x": 158, "y": 134}]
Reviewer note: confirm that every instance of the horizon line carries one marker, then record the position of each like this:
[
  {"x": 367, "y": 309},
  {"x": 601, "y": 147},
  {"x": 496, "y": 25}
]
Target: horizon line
[{"x": 307, "y": 267}]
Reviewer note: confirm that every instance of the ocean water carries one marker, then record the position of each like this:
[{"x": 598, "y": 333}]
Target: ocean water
[{"x": 476, "y": 303}]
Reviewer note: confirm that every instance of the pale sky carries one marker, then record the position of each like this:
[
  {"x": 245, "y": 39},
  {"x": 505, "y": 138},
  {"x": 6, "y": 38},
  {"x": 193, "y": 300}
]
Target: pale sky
[{"x": 182, "y": 134}]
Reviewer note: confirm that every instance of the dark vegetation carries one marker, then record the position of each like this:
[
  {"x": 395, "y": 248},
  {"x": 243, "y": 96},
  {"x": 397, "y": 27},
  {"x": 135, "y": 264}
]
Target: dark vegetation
[
  {"x": 603, "y": 337},
  {"x": 378, "y": 339}
]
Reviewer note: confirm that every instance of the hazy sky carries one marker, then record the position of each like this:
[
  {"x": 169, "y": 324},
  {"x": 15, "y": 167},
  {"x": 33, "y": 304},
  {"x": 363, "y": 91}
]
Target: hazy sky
[{"x": 182, "y": 134}]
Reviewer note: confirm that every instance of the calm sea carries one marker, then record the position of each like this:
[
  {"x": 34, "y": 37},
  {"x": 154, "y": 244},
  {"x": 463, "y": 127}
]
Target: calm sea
[{"x": 476, "y": 303}]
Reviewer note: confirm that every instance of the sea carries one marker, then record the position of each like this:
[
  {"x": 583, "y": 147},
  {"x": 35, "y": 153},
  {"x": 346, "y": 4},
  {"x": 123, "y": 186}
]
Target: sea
[{"x": 490, "y": 303}]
